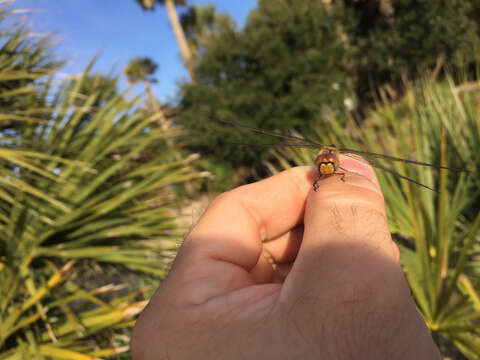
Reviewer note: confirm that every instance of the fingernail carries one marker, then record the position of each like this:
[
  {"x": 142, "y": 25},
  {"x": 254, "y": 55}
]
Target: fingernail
[{"x": 359, "y": 166}]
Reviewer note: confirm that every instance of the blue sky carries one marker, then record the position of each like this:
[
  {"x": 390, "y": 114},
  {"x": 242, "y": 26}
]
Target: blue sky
[{"x": 120, "y": 29}]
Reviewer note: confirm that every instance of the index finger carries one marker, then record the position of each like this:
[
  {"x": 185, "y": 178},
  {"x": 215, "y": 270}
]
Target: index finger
[
  {"x": 237, "y": 222},
  {"x": 220, "y": 254}
]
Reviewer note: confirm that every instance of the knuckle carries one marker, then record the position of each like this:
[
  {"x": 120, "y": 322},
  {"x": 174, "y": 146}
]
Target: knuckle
[{"x": 225, "y": 198}]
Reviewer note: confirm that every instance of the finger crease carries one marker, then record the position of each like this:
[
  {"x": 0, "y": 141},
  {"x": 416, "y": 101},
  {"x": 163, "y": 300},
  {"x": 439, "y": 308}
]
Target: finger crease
[{"x": 262, "y": 230}]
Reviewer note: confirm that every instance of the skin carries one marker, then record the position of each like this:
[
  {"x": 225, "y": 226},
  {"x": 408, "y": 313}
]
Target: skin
[{"x": 335, "y": 289}]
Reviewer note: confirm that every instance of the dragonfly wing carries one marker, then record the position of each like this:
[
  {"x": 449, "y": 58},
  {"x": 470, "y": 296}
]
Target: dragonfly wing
[
  {"x": 393, "y": 158},
  {"x": 312, "y": 146},
  {"x": 393, "y": 172},
  {"x": 271, "y": 133}
]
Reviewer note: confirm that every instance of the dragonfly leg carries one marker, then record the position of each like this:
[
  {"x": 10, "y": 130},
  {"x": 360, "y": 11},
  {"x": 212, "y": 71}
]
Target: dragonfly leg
[
  {"x": 343, "y": 174},
  {"x": 342, "y": 177},
  {"x": 315, "y": 184}
]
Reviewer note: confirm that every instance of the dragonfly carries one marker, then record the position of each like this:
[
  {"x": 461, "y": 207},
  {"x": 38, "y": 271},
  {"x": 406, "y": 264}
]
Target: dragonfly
[{"x": 327, "y": 161}]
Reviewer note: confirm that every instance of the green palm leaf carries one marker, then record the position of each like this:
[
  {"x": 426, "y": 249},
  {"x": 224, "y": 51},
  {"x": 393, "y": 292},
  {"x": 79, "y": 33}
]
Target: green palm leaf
[{"x": 87, "y": 202}]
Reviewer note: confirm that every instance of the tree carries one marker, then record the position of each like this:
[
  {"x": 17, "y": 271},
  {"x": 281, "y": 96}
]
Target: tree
[
  {"x": 25, "y": 62},
  {"x": 176, "y": 26},
  {"x": 392, "y": 39},
  {"x": 297, "y": 62},
  {"x": 202, "y": 26},
  {"x": 80, "y": 209},
  {"x": 143, "y": 69},
  {"x": 83, "y": 211},
  {"x": 103, "y": 85},
  {"x": 285, "y": 69}
]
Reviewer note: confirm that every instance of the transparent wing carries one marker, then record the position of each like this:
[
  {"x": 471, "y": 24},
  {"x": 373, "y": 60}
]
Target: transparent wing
[
  {"x": 312, "y": 146},
  {"x": 388, "y": 157},
  {"x": 304, "y": 142},
  {"x": 271, "y": 133},
  {"x": 383, "y": 168}
]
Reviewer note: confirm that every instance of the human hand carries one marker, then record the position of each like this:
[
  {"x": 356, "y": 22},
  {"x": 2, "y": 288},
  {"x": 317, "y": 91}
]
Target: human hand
[{"x": 274, "y": 270}]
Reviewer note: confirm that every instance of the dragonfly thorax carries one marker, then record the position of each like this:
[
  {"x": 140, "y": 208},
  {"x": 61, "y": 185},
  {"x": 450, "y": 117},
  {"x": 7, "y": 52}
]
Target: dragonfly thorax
[{"x": 327, "y": 160}]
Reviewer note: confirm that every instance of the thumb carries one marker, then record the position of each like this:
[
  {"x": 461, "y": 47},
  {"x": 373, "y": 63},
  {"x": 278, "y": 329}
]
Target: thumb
[
  {"x": 346, "y": 237},
  {"x": 346, "y": 288}
]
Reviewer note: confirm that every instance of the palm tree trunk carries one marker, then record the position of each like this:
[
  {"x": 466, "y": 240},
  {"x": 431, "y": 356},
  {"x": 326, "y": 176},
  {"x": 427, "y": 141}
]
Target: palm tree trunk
[
  {"x": 161, "y": 117},
  {"x": 164, "y": 123},
  {"x": 185, "y": 52}
]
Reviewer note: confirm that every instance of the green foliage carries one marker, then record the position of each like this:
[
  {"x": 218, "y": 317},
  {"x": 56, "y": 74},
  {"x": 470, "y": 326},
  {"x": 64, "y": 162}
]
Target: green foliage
[
  {"x": 295, "y": 63},
  {"x": 402, "y": 36},
  {"x": 23, "y": 59},
  {"x": 150, "y": 4},
  {"x": 202, "y": 25},
  {"x": 72, "y": 196},
  {"x": 104, "y": 85},
  {"x": 84, "y": 210},
  {"x": 85, "y": 195},
  {"x": 438, "y": 233},
  {"x": 140, "y": 69},
  {"x": 225, "y": 177},
  {"x": 283, "y": 70}
]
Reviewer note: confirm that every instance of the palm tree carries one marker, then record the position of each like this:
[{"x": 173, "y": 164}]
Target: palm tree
[
  {"x": 202, "y": 25},
  {"x": 142, "y": 70},
  {"x": 80, "y": 208},
  {"x": 85, "y": 209},
  {"x": 185, "y": 52}
]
